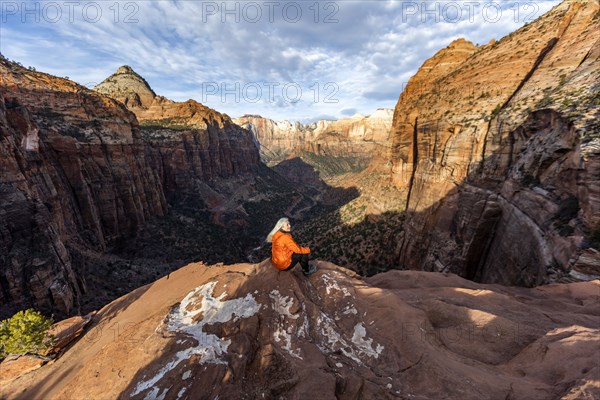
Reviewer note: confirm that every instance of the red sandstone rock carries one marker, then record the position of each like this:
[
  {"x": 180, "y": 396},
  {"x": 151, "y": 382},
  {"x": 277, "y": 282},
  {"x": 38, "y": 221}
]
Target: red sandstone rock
[
  {"x": 491, "y": 145},
  {"x": 248, "y": 330},
  {"x": 76, "y": 172},
  {"x": 66, "y": 331},
  {"x": 357, "y": 138},
  {"x": 12, "y": 368}
]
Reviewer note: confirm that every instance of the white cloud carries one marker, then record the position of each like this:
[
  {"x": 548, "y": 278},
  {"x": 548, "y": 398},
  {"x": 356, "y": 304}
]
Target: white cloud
[{"x": 369, "y": 49}]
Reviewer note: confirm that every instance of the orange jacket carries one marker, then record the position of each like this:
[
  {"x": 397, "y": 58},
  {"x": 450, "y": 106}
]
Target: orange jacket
[{"x": 283, "y": 248}]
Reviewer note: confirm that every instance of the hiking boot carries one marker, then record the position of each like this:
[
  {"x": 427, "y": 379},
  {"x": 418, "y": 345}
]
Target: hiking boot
[{"x": 311, "y": 270}]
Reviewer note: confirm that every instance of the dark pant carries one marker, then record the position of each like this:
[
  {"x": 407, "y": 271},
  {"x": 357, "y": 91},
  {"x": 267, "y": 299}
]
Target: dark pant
[{"x": 299, "y": 258}]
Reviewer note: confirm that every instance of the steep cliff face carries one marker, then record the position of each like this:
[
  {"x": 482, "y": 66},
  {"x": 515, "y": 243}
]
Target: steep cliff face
[
  {"x": 497, "y": 149},
  {"x": 251, "y": 331},
  {"x": 332, "y": 146},
  {"x": 78, "y": 175},
  {"x": 349, "y": 143},
  {"x": 74, "y": 169},
  {"x": 276, "y": 139},
  {"x": 186, "y": 141}
]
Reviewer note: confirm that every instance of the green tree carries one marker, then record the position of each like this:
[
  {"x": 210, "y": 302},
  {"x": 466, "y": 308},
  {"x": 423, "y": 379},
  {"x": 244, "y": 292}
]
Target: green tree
[{"x": 25, "y": 332}]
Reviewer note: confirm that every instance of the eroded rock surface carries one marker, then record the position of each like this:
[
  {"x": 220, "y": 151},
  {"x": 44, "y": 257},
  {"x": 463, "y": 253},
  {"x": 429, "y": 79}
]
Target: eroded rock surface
[
  {"x": 497, "y": 148},
  {"x": 79, "y": 176},
  {"x": 334, "y": 147},
  {"x": 250, "y": 331}
]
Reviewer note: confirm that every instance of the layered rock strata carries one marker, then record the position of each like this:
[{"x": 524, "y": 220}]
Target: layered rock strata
[
  {"x": 355, "y": 139},
  {"x": 498, "y": 150},
  {"x": 77, "y": 172},
  {"x": 276, "y": 139}
]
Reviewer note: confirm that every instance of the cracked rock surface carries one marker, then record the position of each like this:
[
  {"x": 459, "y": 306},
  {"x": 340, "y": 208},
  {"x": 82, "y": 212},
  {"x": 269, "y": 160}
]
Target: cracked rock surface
[{"x": 251, "y": 331}]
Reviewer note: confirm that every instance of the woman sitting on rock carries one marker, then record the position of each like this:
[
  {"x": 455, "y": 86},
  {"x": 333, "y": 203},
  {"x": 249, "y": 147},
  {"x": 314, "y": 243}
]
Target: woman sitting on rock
[{"x": 285, "y": 252}]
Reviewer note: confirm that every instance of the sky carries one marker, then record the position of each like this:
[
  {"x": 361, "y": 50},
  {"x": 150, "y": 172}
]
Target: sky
[{"x": 297, "y": 60}]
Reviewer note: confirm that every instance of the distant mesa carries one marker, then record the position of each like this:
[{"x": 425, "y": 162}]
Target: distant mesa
[
  {"x": 352, "y": 141},
  {"x": 251, "y": 116}
]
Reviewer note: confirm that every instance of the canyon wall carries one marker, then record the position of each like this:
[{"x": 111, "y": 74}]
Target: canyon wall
[
  {"x": 276, "y": 139},
  {"x": 498, "y": 150},
  {"x": 77, "y": 175},
  {"x": 185, "y": 140},
  {"x": 333, "y": 147}
]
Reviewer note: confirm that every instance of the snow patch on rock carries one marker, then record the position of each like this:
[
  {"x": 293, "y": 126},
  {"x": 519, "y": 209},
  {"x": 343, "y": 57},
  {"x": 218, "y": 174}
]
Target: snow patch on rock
[
  {"x": 331, "y": 286},
  {"x": 282, "y": 304},
  {"x": 283, "y": 332},
  {"x": 360, "y": 347},
  {"x": 350, "y": 310},
  {"x": 197, "y": 309},
  {"x": 363, "y": 343}
]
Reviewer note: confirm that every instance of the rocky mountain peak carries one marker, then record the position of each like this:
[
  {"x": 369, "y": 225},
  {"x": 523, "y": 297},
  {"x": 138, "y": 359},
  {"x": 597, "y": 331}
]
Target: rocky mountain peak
[
  {"x": 125, "y": 69},
  {"x": 441, "y": 64},
  {"x": 131, "y": 89},
  {"x": 461, "y": 43},
  {"x": 383, "y": 113},
  {"x": 128, "y": 87}
]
